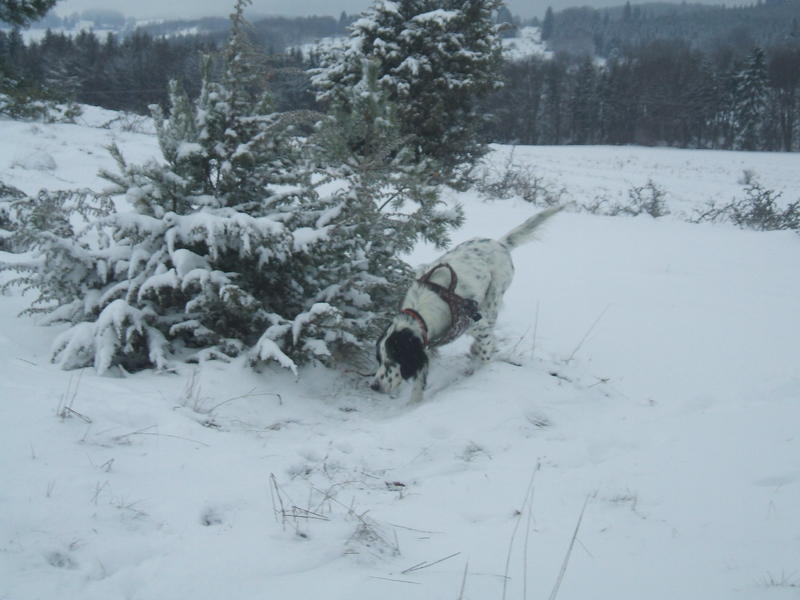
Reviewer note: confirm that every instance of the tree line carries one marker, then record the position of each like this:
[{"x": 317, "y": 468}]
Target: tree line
[
  {"x": 604, "y": 31},
  {"x": 663, "y": 92},
  {"x": 127, "y": 73}
]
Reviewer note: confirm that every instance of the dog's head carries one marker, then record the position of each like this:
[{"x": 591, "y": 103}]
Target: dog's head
[{"x": 401, "y": 355}]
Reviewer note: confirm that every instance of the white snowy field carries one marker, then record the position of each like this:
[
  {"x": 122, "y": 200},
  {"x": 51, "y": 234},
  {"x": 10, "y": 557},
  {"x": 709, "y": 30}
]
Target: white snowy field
[
  {"x": 648, "y": 370},
  {"x": 527, "y": 42}
]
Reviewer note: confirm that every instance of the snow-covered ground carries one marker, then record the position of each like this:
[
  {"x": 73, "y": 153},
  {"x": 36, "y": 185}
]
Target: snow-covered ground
[
  {"x": 648, "y": 371},
  {"x": 527, "y": 42}
]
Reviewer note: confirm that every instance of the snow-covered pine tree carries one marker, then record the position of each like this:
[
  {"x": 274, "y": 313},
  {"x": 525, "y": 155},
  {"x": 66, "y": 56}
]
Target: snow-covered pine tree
[
  {"x": 553, "y": 101},
  {"x": 228, "y": 248},
  {"x": 205, "y": 261},
  {"x": 206, "y": 258},
  {"x": 548, "y": 24},
  {"x": 750, "y": 102},
  {"x": 705, "y": 107},
  {"x": 436, "y": 59},
  {"x": 362, "y": 144},
  {"x": 584, "y": 103},
  {"x": 22, "y": 13},
  {"x": 383, "y": 200}
]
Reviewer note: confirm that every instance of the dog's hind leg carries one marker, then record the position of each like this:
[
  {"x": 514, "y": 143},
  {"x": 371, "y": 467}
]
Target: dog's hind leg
[{"x": 483, "y": 345}]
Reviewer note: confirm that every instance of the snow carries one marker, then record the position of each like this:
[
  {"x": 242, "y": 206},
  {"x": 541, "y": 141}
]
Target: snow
[
  {"x": 648, "y": 368},
  {"x": 154, "y": 283},
  {"x": 319, "y": 309},
  {"x": 689, "y": 178},
  {"x": 439, "y": 17},
  {"x": 413, "y": 65},
  {"x": 35, "y": 161},
  {"x": 79, "y": 152},
  {"x": 188, "y": 149},
  {"x": 37, "y": 34},
  {"x": 304, "y": 238},
  {"x": 186, "y": 261},
  {"x": 527, "y": 42}
]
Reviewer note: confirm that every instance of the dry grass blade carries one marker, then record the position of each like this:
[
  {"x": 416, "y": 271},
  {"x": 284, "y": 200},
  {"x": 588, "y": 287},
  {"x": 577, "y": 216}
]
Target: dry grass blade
[
  {"x": 67, "y": 399},
  {"x": 425, "y": 564},
  {"x": 519, "y": 341},
  {"x": 144, "y": 431},
  {"x": 463, "y": 582},
  {"x": 250, "y": 394},
  {"x": 528, "y": 498},
  {"x": 278, "y": 507},
  {"x": 395, "y": 580},
  {"x": 535, "y": 331},
  {"x": 304, "y": 513},
  {"x": 68, "y": 410},
  {"x": 528, "y": 520},
  {"x": 565, "y": 562},
  {"x": 415, "y": 529},
  {"x": 588, "y": 333}
]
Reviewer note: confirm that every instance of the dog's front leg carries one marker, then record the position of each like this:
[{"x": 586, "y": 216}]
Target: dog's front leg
[
  {"x": 419, "y": 385},
  {"x": 483, "y": 346}
]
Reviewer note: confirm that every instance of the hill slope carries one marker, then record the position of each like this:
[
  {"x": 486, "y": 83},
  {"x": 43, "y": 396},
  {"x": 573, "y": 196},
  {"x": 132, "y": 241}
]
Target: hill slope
[{"x": 648, "y": 371}]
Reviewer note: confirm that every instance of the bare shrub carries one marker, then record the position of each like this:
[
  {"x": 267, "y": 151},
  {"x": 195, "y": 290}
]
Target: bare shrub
[
  {"x": 759, "y": 209},
  {"x": 514, "y": 179},
  {"x": 649, "y": 199}
]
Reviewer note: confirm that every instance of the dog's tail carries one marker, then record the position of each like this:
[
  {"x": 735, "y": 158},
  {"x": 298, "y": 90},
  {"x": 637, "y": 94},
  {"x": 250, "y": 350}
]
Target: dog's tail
[{"x": 527, "y": 231}]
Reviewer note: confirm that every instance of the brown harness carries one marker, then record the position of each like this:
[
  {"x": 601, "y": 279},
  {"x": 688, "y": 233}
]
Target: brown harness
[{"x": 463, "y": 311}]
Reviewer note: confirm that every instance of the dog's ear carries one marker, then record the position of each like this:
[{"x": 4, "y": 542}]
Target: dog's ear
[
  {"x": 378, "y": 354},
  {"x": 408, "y": 351}
]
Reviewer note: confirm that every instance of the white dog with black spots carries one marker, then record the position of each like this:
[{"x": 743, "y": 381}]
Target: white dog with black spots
[{"x": 460, "y": 293}]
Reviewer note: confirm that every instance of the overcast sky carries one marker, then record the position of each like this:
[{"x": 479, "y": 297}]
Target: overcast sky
[
  {"x": 202, "y": 8},
  {"x": 146, "y": 9}
]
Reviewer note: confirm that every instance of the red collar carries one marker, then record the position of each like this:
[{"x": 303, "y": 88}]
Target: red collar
[{"x": 418, "y": 318}]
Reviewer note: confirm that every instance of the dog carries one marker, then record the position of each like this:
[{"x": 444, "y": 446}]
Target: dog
[{"x": 458, "y": 293}]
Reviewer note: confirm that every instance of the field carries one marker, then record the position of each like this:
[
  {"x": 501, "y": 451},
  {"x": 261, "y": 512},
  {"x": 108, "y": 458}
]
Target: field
[{"x": 637, "y": 436}]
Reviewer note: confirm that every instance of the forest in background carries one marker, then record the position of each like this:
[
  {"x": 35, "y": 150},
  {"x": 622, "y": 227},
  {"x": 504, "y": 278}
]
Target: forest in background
[
  {"x": 656, "y": 74},
  {"x": 704, "y": 27}
]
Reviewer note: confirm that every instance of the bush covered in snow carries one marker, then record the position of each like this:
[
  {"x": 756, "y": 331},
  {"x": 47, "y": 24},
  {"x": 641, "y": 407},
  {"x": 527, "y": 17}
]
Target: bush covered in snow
[{"x": 244, "y": 238}]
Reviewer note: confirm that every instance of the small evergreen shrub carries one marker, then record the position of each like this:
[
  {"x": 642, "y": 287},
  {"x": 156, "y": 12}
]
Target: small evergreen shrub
[{"x": 245, "y": 239}]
